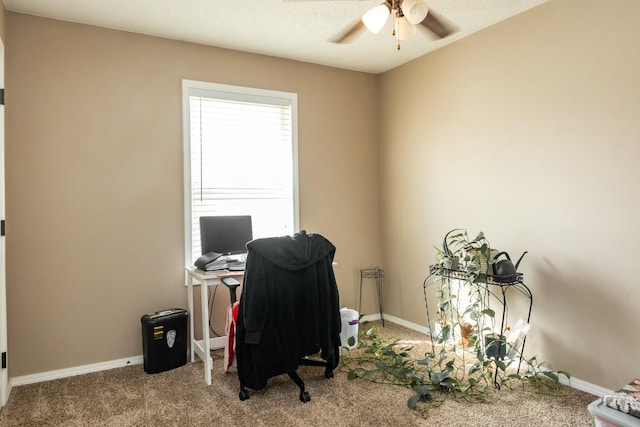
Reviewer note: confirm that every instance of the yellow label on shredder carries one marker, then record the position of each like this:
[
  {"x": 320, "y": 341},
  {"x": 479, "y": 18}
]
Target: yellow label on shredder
[{"x": 158, "y": 332}]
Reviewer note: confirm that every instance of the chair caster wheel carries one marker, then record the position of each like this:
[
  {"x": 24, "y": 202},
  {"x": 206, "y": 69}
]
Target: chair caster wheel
[
  {"x": 304, "y": 397},
  {"x": 328, "y": 374},
  {"x": 243, "y": 395}
]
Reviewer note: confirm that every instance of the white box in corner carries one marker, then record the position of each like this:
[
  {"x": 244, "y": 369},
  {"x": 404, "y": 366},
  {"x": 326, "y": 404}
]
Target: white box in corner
[
  {"x": 609, "y": 417},
  {"x": 350, "y": 320}
]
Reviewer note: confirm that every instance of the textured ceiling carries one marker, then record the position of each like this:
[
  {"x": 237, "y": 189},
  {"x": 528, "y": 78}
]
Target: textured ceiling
[{"x": 294, "y": 29}]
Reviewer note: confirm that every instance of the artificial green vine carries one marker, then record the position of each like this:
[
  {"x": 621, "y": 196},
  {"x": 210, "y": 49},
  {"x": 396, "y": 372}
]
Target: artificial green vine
[
  {"x": 434, "y": 377},
  {"x": 460, "y": 369}
]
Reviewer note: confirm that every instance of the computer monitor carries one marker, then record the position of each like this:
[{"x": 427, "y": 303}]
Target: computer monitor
[{"x": 227, "y": 235}]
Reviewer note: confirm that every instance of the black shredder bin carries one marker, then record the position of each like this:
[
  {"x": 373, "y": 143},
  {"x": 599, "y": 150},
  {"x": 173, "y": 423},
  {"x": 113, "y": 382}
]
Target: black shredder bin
[{"x": 164, "y": 340}]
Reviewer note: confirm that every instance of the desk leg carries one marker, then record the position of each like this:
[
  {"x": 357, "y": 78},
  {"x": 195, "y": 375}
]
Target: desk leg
[
  {"x": 189, "y": 283},
  {"x": 206, "y": 345}
]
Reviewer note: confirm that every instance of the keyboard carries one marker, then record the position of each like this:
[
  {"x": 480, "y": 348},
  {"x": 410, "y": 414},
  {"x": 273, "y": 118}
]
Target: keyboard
[{"x": 236, "y": 266}]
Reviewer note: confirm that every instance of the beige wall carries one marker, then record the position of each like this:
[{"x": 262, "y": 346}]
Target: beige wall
[
  {"x": 529, "y": 132},
  {"x": 526, "y": 131},
  {"x": 94, "y": 180}
]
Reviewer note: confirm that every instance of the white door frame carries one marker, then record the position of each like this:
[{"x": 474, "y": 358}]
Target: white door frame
[{"x": 4, "y": 375}]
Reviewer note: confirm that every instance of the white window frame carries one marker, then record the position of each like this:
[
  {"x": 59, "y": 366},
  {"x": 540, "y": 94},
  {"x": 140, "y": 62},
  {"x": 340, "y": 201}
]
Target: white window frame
[{"x": 198, "y": 88}]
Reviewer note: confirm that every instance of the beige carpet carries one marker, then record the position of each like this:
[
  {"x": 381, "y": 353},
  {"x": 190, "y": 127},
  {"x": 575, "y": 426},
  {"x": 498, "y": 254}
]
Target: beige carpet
[{"x": 129, "y": 397}]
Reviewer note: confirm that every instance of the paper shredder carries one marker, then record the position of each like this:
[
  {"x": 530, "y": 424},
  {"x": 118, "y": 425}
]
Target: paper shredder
[{"x": 164, "y": 340}]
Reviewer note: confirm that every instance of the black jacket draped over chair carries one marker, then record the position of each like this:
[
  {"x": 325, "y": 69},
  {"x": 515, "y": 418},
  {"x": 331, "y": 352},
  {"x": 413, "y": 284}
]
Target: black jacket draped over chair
[{"x": 289, "y": 310}]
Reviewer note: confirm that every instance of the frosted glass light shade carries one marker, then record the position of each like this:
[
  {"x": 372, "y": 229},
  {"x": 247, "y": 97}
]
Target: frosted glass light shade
[
  {"x": 415, "y": 10},
  {"x": 405, "y": 28},
  {"x": 375, "y": 18}
]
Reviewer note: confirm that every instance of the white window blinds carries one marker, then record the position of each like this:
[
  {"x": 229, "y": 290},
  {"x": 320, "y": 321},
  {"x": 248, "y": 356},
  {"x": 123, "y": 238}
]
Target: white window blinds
[{"x": 241, "y": 158}]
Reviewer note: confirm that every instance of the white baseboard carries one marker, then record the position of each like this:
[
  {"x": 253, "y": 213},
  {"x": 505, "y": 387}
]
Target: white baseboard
[
  {"x": 573, "y": 382},
  {"x": 397, "y": 321},
  {"x": 78, "y": 370},
  {"x": 215, "y": 343},
  {"x": 9, "y": 386},
  {"x": 581, "y": 385}
]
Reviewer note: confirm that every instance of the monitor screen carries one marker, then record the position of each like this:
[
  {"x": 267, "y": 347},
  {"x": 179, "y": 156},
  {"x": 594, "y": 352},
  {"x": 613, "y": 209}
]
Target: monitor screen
[{"x": 227, "y": 235}]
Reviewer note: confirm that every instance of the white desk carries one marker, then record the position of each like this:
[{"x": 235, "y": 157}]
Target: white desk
[{"x": 203, "y": 347}]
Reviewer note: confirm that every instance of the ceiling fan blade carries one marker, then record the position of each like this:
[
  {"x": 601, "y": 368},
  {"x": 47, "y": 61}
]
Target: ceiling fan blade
[
  {"x": 344, "y": 37},
  {"x": 438, "y": 25}
]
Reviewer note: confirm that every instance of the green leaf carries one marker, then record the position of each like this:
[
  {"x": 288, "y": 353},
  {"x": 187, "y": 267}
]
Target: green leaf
[
  {"x": 448, "y": 383},
  {"x": 484, "y": 249},
  {"x": 413, "y": 402},
  {"x": 488, "y": 312},
  {"x": 422, "y": 390},
  {"x": 352, "y": 375},
  {"x": 382, "y": 366},
  {"x": 479, "y": 353},
  {"x": 446, "y": 332},
  {"x": 551, "y": 375},
  {"x": 419, "y": 377},
  {"x": 565, "y": 373},
  {"x": 368, "y": 373},
  {"x": 440, "y": 378}
]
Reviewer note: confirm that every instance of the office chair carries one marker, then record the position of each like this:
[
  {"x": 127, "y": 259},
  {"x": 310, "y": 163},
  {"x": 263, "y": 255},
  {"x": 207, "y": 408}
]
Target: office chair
[
  {"x": 289, "y": 310},
  {"x": 233, "y": 285}
]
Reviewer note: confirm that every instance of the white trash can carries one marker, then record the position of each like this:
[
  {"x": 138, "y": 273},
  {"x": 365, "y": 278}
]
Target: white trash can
[{"x": 350, "y": 320}]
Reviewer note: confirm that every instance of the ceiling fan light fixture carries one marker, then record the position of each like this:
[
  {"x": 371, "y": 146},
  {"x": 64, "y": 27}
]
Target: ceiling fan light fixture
[
  {"x": 375, "y": 18},
  {"x": 415, "y": 10},
  {"x": 405, "y": 28}
]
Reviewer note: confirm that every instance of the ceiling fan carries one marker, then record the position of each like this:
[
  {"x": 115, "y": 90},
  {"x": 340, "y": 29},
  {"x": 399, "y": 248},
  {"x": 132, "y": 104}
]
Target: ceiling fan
[{"x": 406, "y": 14}]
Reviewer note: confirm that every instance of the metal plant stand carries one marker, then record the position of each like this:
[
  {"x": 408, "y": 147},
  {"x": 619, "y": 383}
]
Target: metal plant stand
[
  {"x": 488, "y": 285},
  {"x": 377, "y": 274}
]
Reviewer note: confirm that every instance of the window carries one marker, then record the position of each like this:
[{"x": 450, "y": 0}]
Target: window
[{"x": 240, "y": 158}]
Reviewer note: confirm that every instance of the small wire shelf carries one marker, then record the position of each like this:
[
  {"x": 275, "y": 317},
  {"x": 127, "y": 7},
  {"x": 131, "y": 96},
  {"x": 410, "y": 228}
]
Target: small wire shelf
[
  {"x": 377, "y": 274},
  {"x": 489, "y": 279},
  {"x": 372, "y": 273}
]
